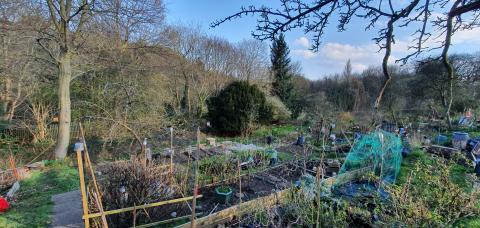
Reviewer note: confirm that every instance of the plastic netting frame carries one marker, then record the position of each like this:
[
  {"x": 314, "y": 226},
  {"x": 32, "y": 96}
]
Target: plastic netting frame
[{"x": 375, "y": 158}]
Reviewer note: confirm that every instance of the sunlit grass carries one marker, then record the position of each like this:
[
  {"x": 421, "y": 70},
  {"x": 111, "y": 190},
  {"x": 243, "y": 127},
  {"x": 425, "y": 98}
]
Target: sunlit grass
[{"x": 33, "y": 206}]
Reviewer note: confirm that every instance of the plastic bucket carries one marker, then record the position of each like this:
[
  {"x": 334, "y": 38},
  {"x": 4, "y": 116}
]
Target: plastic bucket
[
  {"x": 440, "y": 139},
  {"x": 459, "y": 140},
  {"x": 223, "y": 196}
]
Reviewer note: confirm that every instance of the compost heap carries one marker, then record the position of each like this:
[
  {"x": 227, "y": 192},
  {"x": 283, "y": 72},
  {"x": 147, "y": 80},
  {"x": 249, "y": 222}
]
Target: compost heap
[{"x": 372, "y": 162}]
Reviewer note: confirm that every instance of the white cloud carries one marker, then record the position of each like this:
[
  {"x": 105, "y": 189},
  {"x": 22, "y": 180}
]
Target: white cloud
[
  {"x": 343, "y": 52},
  {"x": 467, "y": 37},
  {"x": 304, "y": 53},
  {"x": 302, "y": 42},
  {"x": 332, "y": 56},
  {"x": 358, "y": 67}
]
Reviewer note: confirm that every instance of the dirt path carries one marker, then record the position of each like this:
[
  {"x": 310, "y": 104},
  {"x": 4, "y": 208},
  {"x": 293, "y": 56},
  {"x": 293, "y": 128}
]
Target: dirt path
[{"x": 67, "y": 210}]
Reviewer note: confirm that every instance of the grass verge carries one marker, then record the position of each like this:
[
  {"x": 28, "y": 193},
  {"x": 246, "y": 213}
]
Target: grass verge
[{"x": 33, "y": 205}]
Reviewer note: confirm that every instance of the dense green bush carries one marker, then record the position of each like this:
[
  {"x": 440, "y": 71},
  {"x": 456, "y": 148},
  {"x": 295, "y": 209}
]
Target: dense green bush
[{"x": 237, "y": 108}]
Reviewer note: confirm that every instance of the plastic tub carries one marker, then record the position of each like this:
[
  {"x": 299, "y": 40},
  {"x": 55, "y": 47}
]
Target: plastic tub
[
  {"x": 222, "y": 195},
  {"x": 459, "y": 140},
  {"x": 440, "y": 139}
]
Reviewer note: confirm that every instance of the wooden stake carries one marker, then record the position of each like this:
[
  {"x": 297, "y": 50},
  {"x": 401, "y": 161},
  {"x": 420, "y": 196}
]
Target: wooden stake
[
  {"x": 320, "y": 175},
  {"x": 195, "y": 193},
  {"x": 100, "y": 207},
  {"x": 134, "y": 216},
  {"x": 304, "y": 158},
  {"x": 195, "y": 185},
  {"x": 171, "y": 155},
  {"x": 239, "y": 168},
  {"x": 83, "y": 188}
]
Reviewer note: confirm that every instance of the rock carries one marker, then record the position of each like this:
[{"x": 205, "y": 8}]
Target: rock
[
  {"x": 36, "y": 165},
  {"x": 13, "y": 190},
  {"x": 211, "y": 142},
  {"x": 173, "y": 214},
  {"x": 239, "y": 196}
]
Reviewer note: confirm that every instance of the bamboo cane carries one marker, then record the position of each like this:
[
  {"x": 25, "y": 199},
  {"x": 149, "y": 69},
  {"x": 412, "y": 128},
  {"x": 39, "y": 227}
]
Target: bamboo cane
[{"x": 127, "y": 209}]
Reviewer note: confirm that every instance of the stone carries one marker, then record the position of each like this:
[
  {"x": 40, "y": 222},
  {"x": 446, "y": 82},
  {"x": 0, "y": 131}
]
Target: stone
[
  {"x": 36, "y": 165},
  {"x": 13, "y": 190}
]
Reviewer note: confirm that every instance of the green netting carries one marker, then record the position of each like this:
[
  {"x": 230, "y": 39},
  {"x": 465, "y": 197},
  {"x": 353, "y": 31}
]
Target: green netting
[{"x": 376, "y": 157}]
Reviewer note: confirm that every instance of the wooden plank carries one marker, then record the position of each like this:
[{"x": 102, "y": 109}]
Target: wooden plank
[
  {"x": 246, "y": 207},
  {"x": 127, "y": 209},
  {"x": 442, "y": 151},
  {"x": 166, "y": 221}
]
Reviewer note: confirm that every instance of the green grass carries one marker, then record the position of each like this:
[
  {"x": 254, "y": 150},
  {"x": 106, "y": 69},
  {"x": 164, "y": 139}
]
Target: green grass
[
  {"x": 33, "y": 205},
  {"x": 408, "y": 163},
  {"x": 275, "y": 130},
  {"x": 284, "y": 156},
  {"x": 457, "y": 172}
]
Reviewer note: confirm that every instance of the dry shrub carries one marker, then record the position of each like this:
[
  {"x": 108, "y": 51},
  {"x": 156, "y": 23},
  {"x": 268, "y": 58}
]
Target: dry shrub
[
  {"x": 129, "y": 183},
  {"x": 299, "y": 209},
  {"x": 346, "y": 117}
]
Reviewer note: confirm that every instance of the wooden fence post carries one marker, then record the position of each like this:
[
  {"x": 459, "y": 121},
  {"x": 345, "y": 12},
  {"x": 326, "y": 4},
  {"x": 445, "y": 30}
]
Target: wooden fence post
[
  {"x": 83, "y": 188},
  {"x": 195, "y": 186},
  {"x": 239, "y": 168},
  {"x": 171, "y": 155}
]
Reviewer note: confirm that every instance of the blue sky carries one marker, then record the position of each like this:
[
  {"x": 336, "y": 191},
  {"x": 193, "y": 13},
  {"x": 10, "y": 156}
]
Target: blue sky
[{"x": 355, "y": 44}]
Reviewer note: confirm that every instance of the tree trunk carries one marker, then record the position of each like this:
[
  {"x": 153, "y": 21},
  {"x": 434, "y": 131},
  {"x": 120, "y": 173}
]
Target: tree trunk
[
  {"x": 386, "y": 73},
  {"x": 5, "y": 95},
  {"x": 447, "y": 64},
  {"x": 6, "y": 98},
  {"x": 64, "y": 77}
]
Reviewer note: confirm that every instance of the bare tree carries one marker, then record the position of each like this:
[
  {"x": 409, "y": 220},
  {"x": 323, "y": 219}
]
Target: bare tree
[
  {"x": 252, "y": 60},
  {"x": 67, "y": 19},
  {"x": 17, "y": 60},
  {"x": 129, "y": 21},
  {"x": 314, "y": 17},
  {"x": 458, "y": 8}
]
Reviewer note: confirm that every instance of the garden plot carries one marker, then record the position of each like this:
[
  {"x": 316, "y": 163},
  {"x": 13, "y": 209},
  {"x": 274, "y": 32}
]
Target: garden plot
[{"x": 253, "y": 186}]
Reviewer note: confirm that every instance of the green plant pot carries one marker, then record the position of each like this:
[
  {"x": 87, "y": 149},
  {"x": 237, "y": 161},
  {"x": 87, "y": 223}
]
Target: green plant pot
[{"x": 223, "y": 194}]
